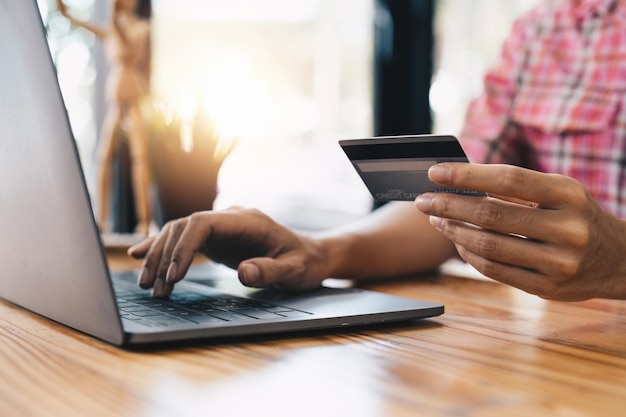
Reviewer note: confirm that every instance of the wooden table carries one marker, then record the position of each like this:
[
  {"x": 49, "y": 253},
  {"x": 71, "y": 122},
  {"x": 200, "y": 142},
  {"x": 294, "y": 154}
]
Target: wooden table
[{"x": 496, "y": 351}]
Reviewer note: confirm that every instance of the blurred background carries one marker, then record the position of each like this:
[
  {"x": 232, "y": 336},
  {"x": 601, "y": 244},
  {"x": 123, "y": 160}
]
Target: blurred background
[{"x": 286, "y": 79}]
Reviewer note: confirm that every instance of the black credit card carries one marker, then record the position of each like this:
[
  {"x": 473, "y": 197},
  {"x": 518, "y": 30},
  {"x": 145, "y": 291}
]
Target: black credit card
[{"x": 396, "y": 167}]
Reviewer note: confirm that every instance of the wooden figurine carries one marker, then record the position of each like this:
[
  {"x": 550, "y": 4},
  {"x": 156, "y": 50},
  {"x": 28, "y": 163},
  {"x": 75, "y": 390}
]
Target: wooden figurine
[{"x": 126, "y": 42}]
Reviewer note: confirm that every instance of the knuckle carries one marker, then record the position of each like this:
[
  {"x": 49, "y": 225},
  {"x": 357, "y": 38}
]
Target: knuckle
[
  {"x": 492, "y": 269},
  {"x": 239, "y": 210},
  {"x": 150, "y": 262},
  {"x": 489, "y": 214},
  {"x": 442, "y": 204},
  {"x": 577, "y": 233},
  {"x": 486, "y": 244},
  {"x": 162, "y": 269},
  {"x": 512, "y": 180},
  {"x": 257, "y": 213},
  {"x": 576, "y": 194},
  {"x": 549, "y": 290},
  {"x": 193, "y": 218},
  {"x": 565, "y": 269},
  {"x": 582, "y": 238},
  {"x": 449, "y": 229},
  {"x": 167, "y": 226},
  {"x": 178, "y": 253},
  {"x": 177, "y": 226}
]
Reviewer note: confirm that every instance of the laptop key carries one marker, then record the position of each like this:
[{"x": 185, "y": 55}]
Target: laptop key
[
  {"x": 146, "y": 313},
  {"x": 168, "y": 321},
  {"x": 228, "y": 316},
  {"x": 195, "y": 317},
  {"x": 141, "y": 321},
  {"x": 189, "y": 307},
  {"x": 277, "y": 309},
  {"x": 257, "y": 314}
]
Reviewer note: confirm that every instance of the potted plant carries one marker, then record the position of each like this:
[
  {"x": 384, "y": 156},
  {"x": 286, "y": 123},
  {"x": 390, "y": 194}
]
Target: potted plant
[{"x": 185, "y": 157}]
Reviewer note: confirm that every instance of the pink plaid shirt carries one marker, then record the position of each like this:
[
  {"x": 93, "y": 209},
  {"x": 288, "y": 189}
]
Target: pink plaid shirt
[{"x": 556, "y": 99}]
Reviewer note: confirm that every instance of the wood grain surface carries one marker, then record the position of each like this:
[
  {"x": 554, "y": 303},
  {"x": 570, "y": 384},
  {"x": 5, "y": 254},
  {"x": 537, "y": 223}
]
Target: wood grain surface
[{"x": 495, "y": 352}]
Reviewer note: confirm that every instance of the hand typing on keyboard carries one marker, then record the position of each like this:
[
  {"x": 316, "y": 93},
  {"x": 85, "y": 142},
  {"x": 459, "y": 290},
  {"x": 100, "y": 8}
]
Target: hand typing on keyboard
[
  {"x": 191, "y": 308},
  {"x": 264, "y": 252}
]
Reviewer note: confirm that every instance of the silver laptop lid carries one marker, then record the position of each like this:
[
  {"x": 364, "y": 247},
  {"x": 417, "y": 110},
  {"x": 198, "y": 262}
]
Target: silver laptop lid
[{"x": 51, "y": 260}]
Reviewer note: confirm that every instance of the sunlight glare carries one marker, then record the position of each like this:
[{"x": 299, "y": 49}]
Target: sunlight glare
[{"x": 235, "y": 99}]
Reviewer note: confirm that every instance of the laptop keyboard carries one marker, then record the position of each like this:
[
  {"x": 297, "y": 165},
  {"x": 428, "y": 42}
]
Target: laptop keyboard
[{"x": 189, "y": 308}]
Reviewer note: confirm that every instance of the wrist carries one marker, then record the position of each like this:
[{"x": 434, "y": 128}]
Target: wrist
[{"x": 334, "y": 253}]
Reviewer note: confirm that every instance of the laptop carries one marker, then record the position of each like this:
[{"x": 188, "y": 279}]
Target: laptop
[{"x": 53, "y": 260}]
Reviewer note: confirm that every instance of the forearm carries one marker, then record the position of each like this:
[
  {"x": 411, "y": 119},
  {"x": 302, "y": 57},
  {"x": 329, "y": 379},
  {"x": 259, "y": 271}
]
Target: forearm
[
  {"x": 395, "y": 240},
  {"x": 95, "y": 29}
]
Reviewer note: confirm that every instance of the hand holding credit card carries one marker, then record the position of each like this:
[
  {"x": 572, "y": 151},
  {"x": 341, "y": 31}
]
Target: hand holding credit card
[{"x": 396, "y": 167}]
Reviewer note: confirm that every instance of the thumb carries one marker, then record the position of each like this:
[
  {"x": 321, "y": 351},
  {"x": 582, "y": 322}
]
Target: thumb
[
  {"x": 265, "y": 272},
  {"x": 249, "y": 274}
]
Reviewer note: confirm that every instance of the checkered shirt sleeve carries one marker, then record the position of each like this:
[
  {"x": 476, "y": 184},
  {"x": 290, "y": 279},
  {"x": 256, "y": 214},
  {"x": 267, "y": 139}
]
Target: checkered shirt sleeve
[{"x": 555, "y": 101}]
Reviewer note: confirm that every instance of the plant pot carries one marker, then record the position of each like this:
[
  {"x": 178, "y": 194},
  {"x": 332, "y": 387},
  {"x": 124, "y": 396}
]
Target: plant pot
[
  {"x": 184, "y": 182},
  {"x": 185, "y": 159}
]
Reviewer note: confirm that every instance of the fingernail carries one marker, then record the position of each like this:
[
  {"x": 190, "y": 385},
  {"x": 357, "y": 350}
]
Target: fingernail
[
  {"x": 423, "y": 202},
  {"x": 142, "y": 281},
  {"x": 157, "y": 289},
  {"x": 250, "y": 274},
  {"x": 439, "y": 173},
  {"x": 436, "y": 222},
  {"x": 171, "y": 272}
]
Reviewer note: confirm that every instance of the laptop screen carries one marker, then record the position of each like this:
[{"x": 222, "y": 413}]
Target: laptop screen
[{"x": 52, "y": 259}]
